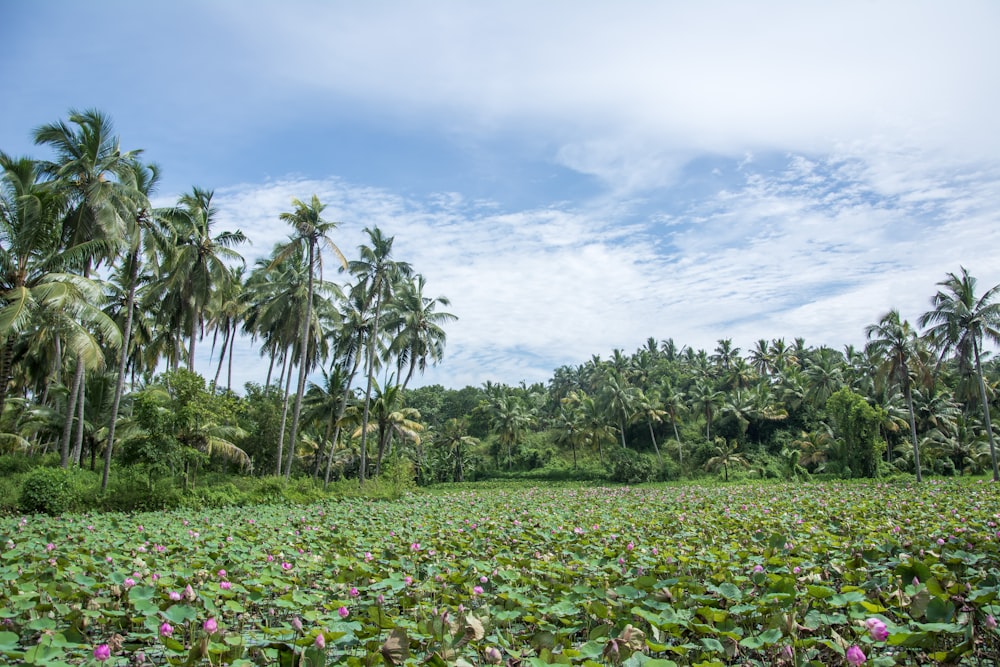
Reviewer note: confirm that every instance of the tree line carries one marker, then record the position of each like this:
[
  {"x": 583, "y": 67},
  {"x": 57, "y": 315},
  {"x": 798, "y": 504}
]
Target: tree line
[{"x": 101, "y": 290}]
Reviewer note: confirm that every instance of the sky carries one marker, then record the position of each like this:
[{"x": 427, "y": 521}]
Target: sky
[{"x": 575, "y": 176}]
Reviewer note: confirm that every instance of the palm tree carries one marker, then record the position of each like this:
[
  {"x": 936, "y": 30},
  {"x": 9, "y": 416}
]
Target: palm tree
[
  {"x": 725, "y": 456},
  {"x": 960, "y": 321},
  {"x": 31, "y": 287},
  {"x": 673, "y": 405},
  {"x": 95, "y": 173},
  {"x": 894, "y": 342},
  {"x": 706, "y": 400},
  {"x": 378, "y": 276},
  {"x": 646, "y": 408},
  {"x": 141, "y": 232},
  {"x": 456, "y": 440},
  {"x": 196, "y": 265},
  {"x": 619, "y": 400},
  {"x": 311, "y": 232},
  {"x": 419, "y": 336},
  {"x": 509, "y": 418},
  {"x": 30, "y": 214}
]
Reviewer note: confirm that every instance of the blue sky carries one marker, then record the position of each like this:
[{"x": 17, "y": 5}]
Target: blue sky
[{"x": 575, "y": 176}]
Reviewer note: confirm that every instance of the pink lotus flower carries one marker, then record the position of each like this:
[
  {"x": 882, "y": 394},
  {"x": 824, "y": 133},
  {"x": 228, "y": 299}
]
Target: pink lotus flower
[
  {"x": 344, "y": 613},
  {"x": 222, "y": 574},
  {"x": 320, "y": 641},
  {"x": 166, "y": 630},
  {"x": 225, "y": 585},
  {"x": 174, "y": 595},
  {"x": 286, "y": 566},
  {"x": 855, "y": 656},
  {"x": 368, "y": 556},
  {"x": 102, "y": 652},
  {"x": 354, "y": 592},
  {"x": 477, "y": 590},
  {"x": 991, "y": 622},
  {"x": 877, "y": 629},
  {"x": 211, "y": 626}
]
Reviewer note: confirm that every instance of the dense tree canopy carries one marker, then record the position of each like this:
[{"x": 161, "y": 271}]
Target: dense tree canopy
[{"x": 99, "y": 292}]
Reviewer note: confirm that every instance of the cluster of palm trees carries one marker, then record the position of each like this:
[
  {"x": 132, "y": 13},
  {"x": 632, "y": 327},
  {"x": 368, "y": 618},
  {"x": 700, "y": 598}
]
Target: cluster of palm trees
[
  {"x": 96, "y": 282},
  {"x": 933, "y": 389}
]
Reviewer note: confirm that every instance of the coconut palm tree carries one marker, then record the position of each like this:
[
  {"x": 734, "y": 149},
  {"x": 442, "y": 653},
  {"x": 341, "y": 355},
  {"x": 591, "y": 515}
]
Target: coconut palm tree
[
  {"x": 893, "y": 341},
  {"x": 310, "y": 237},
  {"x": 648, "y": 410},
  {"x": 960, "y": 321},
  {"x": 619, "y": 399},
  {"x": 456, "y": 440},
  {"x": 378, "y": 276},
  {"x": 196, "y": 265},
  {"x": 419, "y": 336},
  {"x": 673, "y": 402},
  {"x": 726, "y": 455},
  {"x": 706, "y": 400},
  {"x": 143, "y": 232}
]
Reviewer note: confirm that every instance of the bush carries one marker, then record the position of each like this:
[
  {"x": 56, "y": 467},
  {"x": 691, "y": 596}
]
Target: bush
[
  {"x": 13, "y": 464},
  {"x": 630, "y": 467},
  {"x": 46, "y": 491}
]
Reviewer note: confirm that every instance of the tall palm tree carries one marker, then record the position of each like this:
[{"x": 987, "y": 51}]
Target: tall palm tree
[
  {"x": 706, "y": 400},
  {"x": 673, "y": 405},
  {"x": 378, "y": 276},
  {"x": 196, "y": 266},
  {"x": 311, "y": 235},
  {"x": 647, "y": 409},
  {"x": 456, "y": 440},
  {"x": 895, "y": 343},
  {"x": 142, "y": 232},
  {"x": 509, "y": 417},
  {"x": 31, "y": 287},
  {"x": 619, "y": 399},
  {"x": 960, "y": 321},
  {"x": 95, "y": 173},
  {"x": 30, "y": 213},
  {"x": 419, "y": 336}
]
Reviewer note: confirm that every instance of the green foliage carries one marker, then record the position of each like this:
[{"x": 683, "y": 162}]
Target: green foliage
[
  {"x": 630, "y": 467},
  {"x": 478, "y": 571},
  {"x": 856, "y": 423},
  {"x": 47, "y": 491}
]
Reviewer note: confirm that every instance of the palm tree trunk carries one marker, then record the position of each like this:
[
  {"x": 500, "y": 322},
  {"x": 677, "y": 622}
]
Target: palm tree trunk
[
  {"x": 986, "y": 411},
  {"x": 680, "y": 449},
  {"x": 284, "y": 409},
  {"x": 370, "y": 363},
  {"x": 222, "y": 355},
  {"x": 6, "y": 369},
  {"x": 229, "y": 370},
  {"x": 81, "y": 403},
  {"x": 122, "y": 363},
  {"x": 270, "y": 369},
  {"x": 621, "y": 427},
  {"x": 341, "y": 409},
  {"x": 191, "y": 349},
  {"x": 70, "y": 408},
  {"x": 655, "y": 446},
  {"x": 913, "y": 424},
  {"x": 303, "y": 365}
]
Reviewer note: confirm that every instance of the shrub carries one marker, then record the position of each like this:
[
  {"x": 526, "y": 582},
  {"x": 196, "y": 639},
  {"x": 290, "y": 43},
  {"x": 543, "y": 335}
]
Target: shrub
[
  {"x": 46, "y": 491},
  {"x": 630, "y": 467}
]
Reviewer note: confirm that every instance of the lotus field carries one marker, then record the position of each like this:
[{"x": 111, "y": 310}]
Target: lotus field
[{"x": 804, "y": 574}]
